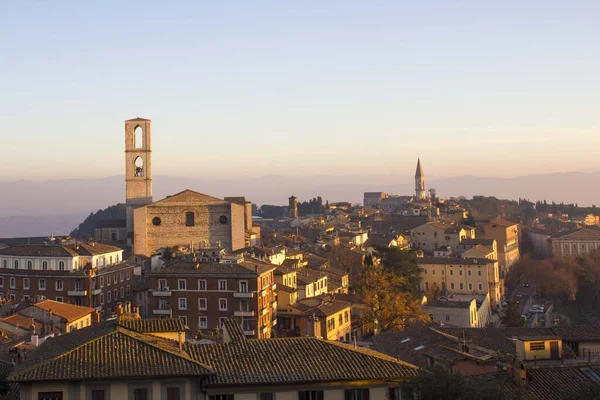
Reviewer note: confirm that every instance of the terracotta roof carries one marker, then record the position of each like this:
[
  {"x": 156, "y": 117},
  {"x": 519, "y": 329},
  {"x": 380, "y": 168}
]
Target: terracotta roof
[
  {"x": 455, "y": 261},
  {"x": 503, "y": 222},
  {"x": 22, "y": 322},
  {"x": 188, "y": 197},
  {"x": 70, "y": 312},
  {"x": 246, "y": 268},
  {"x": 295, "y": 360},
  {"x": 307, "y": 276},
  {"x": 474, "y": 242},
  {"x": 153, "y": 325},
  {"x": 321, "y": 306},
  {"x": 287, "y": 289},
  {"x": 59, "y": 250},
  {"x": 118, "y": 354}
]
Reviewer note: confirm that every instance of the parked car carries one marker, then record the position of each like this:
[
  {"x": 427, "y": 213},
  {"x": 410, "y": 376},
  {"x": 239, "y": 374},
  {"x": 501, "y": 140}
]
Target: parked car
[
  {"x": 504, "y": 304},
  {"x": 525, "y": 284},
  {"x": 535, "y": 310},
  {"x": 519, "y": 295}
]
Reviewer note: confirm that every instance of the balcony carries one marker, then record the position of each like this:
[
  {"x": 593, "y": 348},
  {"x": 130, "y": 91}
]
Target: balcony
[
  {"x": 162, "y": 292},
  {"x": 162, "y": 311},
  {"x": 243, "y": 313},
  {"x": 96, "y": 291},
  {"x": 263, "y": 311},
  {"x": 243, "y": 295},
  {"x": 250, "y": 332},
  {"x": 77, "y": 293},
  {"x": 263, "y": 292}
]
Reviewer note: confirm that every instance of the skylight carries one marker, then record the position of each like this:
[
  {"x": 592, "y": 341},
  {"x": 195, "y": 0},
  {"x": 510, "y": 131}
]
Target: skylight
[
  {"x": 419, "y": 347},
  {"x": 405, "y": 340}
]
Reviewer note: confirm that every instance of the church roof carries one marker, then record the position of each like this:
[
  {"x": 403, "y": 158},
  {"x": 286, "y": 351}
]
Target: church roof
[
  {"x": 188, "y": 197},
  {"x": 138, "y": 119},
  {"x": 419, "y": 169}
]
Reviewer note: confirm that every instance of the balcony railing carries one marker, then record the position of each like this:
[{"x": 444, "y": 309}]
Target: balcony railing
[
  {"x": 77, "y": 293},
  {"x": 162, "y": 292},
  {"x": 243, "y": 313},
  {"x": 96, "y": 291},
  {"x": 243, "y": 295},
  {"x": 162, "y": 310}
]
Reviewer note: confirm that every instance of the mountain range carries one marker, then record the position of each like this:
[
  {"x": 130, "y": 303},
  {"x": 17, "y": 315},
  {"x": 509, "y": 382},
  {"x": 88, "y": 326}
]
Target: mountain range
[{"x": 30, "y": 208}]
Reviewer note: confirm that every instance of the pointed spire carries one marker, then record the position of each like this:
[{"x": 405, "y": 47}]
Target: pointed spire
[{"x": 419, "y": 169}]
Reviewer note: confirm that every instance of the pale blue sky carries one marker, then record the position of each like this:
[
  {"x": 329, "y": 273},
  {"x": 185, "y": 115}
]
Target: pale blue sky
[{"x": 239, "y": 88}]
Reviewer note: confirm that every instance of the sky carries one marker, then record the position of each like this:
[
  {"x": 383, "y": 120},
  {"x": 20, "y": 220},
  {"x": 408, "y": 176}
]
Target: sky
[{"x": 300, "y": 88}]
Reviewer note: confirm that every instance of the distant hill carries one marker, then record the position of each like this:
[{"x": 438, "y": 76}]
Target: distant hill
[{"x": 57, "y": 201}]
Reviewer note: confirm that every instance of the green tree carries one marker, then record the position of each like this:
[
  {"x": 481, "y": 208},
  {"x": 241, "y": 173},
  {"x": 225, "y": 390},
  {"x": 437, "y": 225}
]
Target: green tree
[
  {"x": 512, "y": 317},
  {"x": 403, "y": 263}
]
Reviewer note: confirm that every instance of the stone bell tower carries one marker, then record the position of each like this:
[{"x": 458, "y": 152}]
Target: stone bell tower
[
  {"x": 420, "y": 193},
  {"x": 138, "y": 168}
]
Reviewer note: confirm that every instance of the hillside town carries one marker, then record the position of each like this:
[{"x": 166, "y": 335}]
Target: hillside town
[{"x": 198, "y": 297}]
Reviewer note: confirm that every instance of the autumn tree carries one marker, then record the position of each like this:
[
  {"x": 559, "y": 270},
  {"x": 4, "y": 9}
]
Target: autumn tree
[
  {"x": 388, "y": 306},
  {"x": 512, "y": 316}
]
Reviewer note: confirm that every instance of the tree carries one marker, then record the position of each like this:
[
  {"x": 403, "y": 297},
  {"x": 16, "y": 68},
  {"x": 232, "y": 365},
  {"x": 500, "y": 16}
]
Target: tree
[
  {"x": 388, "y": 305},
  {"x": 512, "y": 317},
  {"x": 403, "y": 263}
]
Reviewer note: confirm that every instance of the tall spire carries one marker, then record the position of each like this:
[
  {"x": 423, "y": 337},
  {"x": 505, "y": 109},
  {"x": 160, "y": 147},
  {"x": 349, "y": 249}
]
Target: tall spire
[{"x": 419, "y": 169}]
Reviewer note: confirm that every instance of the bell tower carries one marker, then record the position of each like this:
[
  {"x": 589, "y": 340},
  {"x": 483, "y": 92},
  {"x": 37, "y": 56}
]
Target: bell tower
[
  {"x": 138, "y": 168},
  {"x": 420, "y": 193}
]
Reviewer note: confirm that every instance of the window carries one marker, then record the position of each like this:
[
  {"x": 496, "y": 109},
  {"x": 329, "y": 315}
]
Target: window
[
  {"x": 42, "y": 284},
  {"x": 140, "y": 394},
  {"x": 29, "y": 265},
  {"x": 221, "y": 322},
  {"x": 1, "y": 281},
  {"x": 222, "y": 304},
  {"x": 101, "y": 281},
  {"x": 128, "y": 275},
  {"x": 425, "y": 271},
  {"x": 223, "y": 219},
  {"x": 478, "y": 273},
  {"x": 201, "y": 284},
  {"x": 25, "y": 283},
  {"x": 102, "y": 298},
  {"x": 447, "y": 318},
  {"x": 13, "y": 283},
  {"x": 480, "y": 286},
  {"x": 433, "y": 272},
  {"x": 4, "y": 263},
  {"x": 183, "y": 319},
  {"x": 189, "y": 218},
  {"x": 59, "y": 284},
  {"x": 356, "y": 394},
  {"x": 537, "y": 346},
  {"x": 122, "y": 276},
  {"x": 461, "y": 286},
  {"x": 98, "y": 394},
  {"x": 310, "y": 395},
  {"x": 128, "y": 290},
  {"x": 122, "y": 292},
  {"x": 173, "y": 393},
  {"x": 244, "y": 286},
  {"x": 346, "y": 317},
  {"x": 116, "y": 295},
  {"x": 451, "y": 272},
  {"x": 50, "y": 395},
  {"x": 452, "y": 285},
  {"x": 162, "y": 284},
  {"x": 44, "y": 265},
  {"x": 469, "y": 272},
  {"x": 181, "y": 284},
  {"x": 26, "y": 298},
  {"x": 61, "y": 267},
  {"x": 156, "y": 221},
  {"x": 182, "y": 303},
  {"x": 266, "y": 396},
  {"x": 460, "y": 272},
  {"x": 201, "y": 304},
  {"x": 222, "y": 285},
  {"x": 109, "y": 298},
  {"x": 341, "y": 320},
  {"x": 203, "y": 323},
  {"x": 221, "y": 397},
  {"x": 470, "y": 286},
  {"x": 16, "y": 264},
  {"x": 115, "y": 278}
]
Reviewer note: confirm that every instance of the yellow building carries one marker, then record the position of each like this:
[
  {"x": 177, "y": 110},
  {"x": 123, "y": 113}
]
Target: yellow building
[
  {"x": 476, "y": 276},
  {"x": 580, "y": 242},
  {"x": 433, "y": 235},
  {"x": 506, "y": 234},
  {"x": 531, "y": 348}
]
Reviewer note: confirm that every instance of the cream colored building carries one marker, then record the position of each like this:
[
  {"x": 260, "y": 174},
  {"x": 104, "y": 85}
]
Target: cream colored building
[
  {"x": 465, "y": 311},
  {"x": 473, "y": 276},
  {"x": 433, "y": 235},
  {"x": 506, "y": 234},
  {"x": 582, "y": 241}
]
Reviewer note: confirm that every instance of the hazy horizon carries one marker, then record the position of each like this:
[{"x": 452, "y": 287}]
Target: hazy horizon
[{"x": 242, "y": 89}]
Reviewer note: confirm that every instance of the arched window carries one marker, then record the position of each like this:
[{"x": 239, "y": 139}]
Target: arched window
[
  {"x": 44, "y": 265},
  {"x": 29, "y": 265},
  {"x": 138, "y": 137},
  {"x": 110, "y": 260},
  {"x": 16, "y": 264},
  {"x": 5, "y": 263},
  {"x": 139, "y": 166},
  {"x": 61, "y": 265},
  {"x": 76, "y": 264}
]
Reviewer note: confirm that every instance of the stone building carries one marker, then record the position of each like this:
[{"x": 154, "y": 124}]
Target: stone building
[
  {"x": 85, "y": 274},
  {"x": 575, "y": 243},
  {"x": 293, "y": 207},
  {"x": 420, "y": 192},
  {"x": 204, "y": 294},
  {"x": 506, "y": 234},
  {"x": 188, "y": 218}
]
